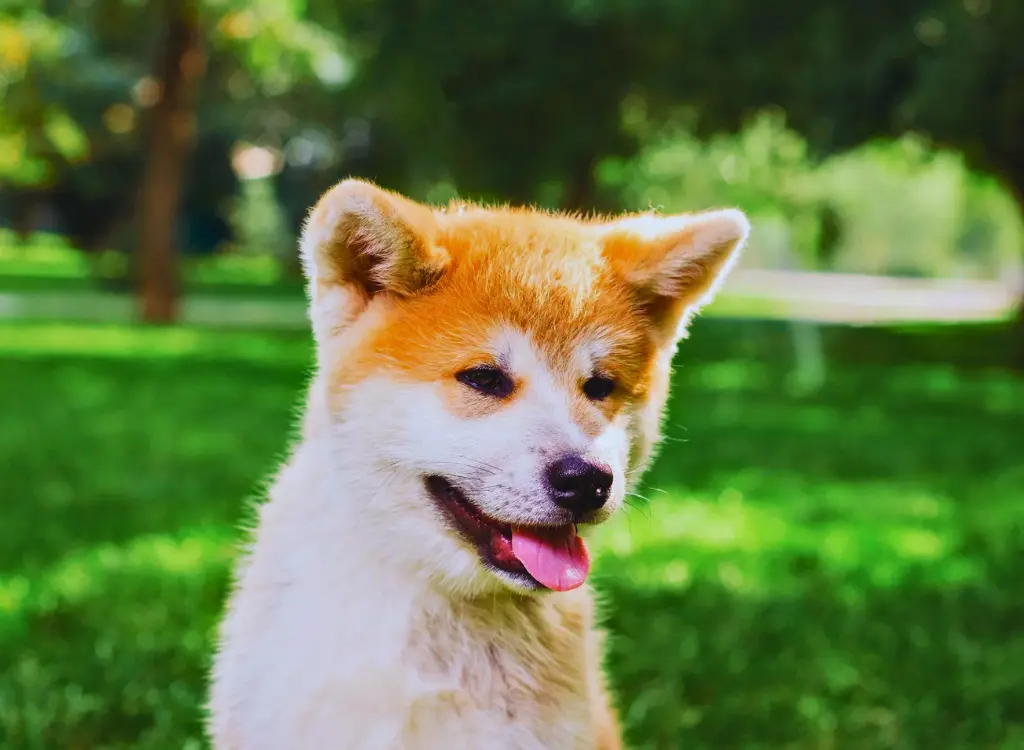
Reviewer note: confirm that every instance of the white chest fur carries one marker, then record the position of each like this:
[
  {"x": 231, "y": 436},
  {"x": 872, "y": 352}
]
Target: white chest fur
[
  {"x": 471, "y": 677},
  {"x": 322, "y": 649},
  {"x": 501, "y": 675}
]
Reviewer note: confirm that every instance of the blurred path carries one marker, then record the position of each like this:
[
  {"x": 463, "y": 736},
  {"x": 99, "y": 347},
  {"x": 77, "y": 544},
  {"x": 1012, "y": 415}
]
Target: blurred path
[{"x": 852, "y": 298}]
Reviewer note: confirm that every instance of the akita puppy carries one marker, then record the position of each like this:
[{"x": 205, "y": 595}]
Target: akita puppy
[{"x": 489, "y": 383}]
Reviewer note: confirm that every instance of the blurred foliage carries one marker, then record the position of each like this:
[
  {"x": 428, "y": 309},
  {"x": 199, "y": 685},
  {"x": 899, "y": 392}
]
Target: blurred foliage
[
  {"x": 433, "y": 98},
  {"x": 578, "y": 105},
  {"x": 846, "y": 73},
  {"x": 258, "y": 221},
  {"x": 30, "y": 40},
  {"x": 835, "y": 570},
  {"x": 896, "y": 207},
  {"x": 77, "y": 97}
]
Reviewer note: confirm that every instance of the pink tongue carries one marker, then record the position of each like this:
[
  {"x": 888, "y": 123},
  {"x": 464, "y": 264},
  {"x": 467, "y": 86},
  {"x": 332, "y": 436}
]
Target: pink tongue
[{"x": 557, "y": 558}]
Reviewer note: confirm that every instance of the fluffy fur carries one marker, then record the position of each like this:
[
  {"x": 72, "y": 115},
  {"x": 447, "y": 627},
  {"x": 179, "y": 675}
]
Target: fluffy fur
[{"x": 359, "y": 619}]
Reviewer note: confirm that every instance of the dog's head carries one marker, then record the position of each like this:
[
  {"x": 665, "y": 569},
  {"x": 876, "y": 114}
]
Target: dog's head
[{"x": 496, "y": 377}]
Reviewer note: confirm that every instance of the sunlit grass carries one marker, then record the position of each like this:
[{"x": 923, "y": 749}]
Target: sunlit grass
[
  {"x": 90, "y": 573},
  {"x": 139, "y": 342},
  {"x": 833, "y": 569},
  {"x": 876, "y": 531},
  {"x": 49, "y": 256}
]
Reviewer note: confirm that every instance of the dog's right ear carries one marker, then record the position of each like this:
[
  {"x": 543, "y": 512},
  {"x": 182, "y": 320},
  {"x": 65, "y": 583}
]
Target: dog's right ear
[{"x": 360, "y": 241}]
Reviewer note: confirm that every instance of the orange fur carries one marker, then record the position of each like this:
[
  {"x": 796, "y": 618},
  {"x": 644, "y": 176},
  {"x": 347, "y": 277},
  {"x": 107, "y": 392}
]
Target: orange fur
[
  {"x": 358, "y": 613},
  {"x": 541, "y": 273}
]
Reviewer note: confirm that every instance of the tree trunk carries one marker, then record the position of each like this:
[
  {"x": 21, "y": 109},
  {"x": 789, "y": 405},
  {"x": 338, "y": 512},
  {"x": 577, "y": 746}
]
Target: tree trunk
[
  {"x": 1017, "y": 327},
  {"x": 171, "y": 134},
  {"x": 579, "y": 190},
  {"x": 1017, "y": 336}
]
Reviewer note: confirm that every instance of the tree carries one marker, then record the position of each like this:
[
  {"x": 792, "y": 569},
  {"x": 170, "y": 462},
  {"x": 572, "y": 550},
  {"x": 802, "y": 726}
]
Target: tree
[
  {"x": 516, "y": 101},
  {"x": 847, "y": 72},
  {"x": 170, "y": 138},
  {"x": 77, "y": 81}
]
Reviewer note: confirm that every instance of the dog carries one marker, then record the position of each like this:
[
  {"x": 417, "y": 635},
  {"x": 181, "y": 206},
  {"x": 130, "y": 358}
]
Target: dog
[{"x": 489, "y": 383}]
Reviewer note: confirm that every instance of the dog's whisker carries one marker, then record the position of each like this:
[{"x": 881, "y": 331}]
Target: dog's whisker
[
  {"x": 674, "y": 439},
  {"x": 639, "y": 509},
  {"x": 469, "y": 464},
  {"x": 388, "y": 481},
  {"x": 391, "y": 466}
]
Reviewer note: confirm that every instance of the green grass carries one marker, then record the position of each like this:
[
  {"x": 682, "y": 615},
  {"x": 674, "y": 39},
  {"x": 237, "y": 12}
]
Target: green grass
[
  {"x": 833, "y": 570},
  {"x": 46, "y": 263}
]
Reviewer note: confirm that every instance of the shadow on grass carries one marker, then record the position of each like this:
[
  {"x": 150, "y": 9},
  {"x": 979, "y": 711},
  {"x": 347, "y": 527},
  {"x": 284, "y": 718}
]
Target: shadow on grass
[{"x": 102, "y": 451}]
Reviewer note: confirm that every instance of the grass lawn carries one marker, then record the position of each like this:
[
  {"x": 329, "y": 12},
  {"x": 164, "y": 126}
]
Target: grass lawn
[{"x": 836, "y": 570}]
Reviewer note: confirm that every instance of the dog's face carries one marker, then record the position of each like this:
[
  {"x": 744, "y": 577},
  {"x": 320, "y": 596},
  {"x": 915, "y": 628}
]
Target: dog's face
[{"x": 499, "y": 374}]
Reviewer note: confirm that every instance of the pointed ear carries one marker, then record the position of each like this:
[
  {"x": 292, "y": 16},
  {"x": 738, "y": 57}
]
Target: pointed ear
[
  {"x": 675, "y": 264},
  {"x": 360, "y": 241}
]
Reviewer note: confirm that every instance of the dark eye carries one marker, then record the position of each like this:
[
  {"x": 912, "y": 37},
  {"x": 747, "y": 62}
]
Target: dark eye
[
  {"x": 489, "y": 380},
  {"x": 598, "y": 388}
]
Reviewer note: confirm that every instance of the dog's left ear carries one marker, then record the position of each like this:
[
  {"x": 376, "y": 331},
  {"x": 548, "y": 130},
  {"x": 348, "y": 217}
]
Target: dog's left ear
[
  {"x": 674, "y": 264},
  {"x": 361, "y": 241}
]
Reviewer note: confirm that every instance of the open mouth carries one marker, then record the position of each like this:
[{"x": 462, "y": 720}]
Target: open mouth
[{"x": 535, "y": 557}]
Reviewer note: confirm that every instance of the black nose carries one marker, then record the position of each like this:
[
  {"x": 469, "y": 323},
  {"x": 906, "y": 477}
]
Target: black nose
[{"x": 578, "y": 485}]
